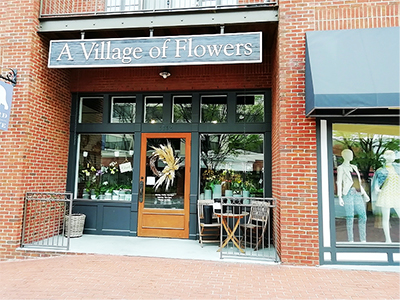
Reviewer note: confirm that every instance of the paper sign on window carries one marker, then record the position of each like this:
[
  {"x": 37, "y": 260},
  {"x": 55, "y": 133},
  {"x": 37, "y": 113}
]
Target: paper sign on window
[
  {"x": 125, "y": 167},
  {"x": 150, "y": 180}
]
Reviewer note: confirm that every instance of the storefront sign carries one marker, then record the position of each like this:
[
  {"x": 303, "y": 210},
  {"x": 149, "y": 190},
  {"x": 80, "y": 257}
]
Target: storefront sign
[
  {"x": 173, "y": 50},
  {"x": 6, "y": 91}
]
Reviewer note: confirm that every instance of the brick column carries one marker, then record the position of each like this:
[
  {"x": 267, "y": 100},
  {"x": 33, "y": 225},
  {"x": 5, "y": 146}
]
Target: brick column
[
  {"x": 294, "y": 136},
  {"x": 34, "y": 149},
  {"x": 294, "y": 141}
]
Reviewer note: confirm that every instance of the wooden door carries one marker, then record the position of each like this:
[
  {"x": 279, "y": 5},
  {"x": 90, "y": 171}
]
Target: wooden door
[{"x": 164, "y": 185}]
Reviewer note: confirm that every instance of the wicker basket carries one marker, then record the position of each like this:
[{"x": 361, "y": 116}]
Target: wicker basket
[{"x": 77, "y": 225}]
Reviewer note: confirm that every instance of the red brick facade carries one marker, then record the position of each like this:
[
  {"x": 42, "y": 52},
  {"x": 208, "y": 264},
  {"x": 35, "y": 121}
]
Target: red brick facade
[{"x": 34, "y": 150}]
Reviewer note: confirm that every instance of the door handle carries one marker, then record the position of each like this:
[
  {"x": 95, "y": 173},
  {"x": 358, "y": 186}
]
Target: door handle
[{"x": 141, "y": 183}]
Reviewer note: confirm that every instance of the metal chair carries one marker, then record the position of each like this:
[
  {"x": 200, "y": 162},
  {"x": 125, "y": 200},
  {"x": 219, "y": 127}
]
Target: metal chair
[
  {"x": 255, "y": 228},
  {"x": 209, "y": 230}
]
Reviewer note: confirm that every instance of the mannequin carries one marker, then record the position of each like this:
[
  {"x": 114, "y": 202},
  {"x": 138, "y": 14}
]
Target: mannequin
[
  {"x": 352, "y": 195},
  {"x": 386, "y": 184}
]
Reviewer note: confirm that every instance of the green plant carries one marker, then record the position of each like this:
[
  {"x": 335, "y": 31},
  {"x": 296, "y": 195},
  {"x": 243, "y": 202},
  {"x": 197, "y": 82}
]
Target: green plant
[
  {"x": 210, "y": 179},
  {"x": 237, "y": 182},
  {"x": 367, "y": 149},
  {"x": 249, "y": 186},
  {"x": 88, "y": 175}
]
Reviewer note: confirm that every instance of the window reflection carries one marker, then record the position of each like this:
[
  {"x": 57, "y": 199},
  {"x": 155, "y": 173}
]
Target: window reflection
[
  {"x": 153, "y": 109},
  {"x": 214, "y": 109},
  {"x": 182, "y": 109},
  {"x": 232, "y": 164},
  {"x": 123, "y": 109},
  {"x": 91, "y": 110},
  {"x": 366, "y": 182},
  {"x": 250, "y": 108}
]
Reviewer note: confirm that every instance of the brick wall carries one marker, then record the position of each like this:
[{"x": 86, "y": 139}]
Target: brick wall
[
  {"x": 294, "y": 136},
  {"x": 182, "y": 78},
  {"x": 34, "y": 150}
]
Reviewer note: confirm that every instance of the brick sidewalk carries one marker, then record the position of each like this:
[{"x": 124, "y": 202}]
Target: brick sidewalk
[{"x": 123, "y": 277}]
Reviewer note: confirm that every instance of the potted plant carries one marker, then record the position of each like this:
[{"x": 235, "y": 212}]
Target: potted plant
[
  {"x": 100, "y": 189},
  {"x": 86, "y": 190},
  {"x": 248, "y": 187},
  {"x": 108, "y": 193},
  {"x": 209, "y": 178},
  {"x": 125, "y": 192},
  {"x": 236, "y": 184},
  {"x": 89, "y": 176}
]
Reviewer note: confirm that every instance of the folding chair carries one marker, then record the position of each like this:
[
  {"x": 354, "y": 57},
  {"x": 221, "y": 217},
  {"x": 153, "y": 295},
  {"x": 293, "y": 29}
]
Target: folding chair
[{"x": 255, "y": 228}]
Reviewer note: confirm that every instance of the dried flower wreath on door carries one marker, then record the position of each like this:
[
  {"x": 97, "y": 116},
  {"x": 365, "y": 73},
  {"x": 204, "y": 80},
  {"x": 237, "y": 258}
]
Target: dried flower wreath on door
[{"x": 167, "y": 175}]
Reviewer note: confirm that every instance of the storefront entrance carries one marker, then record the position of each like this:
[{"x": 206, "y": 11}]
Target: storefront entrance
[
  {"x": 163, "y": 209},
  {"x": 141, "y": 161}
]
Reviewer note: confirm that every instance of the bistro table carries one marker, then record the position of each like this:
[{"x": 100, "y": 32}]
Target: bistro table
[{"x": 231, "y": 232}]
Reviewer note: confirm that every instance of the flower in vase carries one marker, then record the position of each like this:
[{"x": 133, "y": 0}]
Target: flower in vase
[
  {"x": 210, "y": 179},
  {"x": 237, "y": 183}
]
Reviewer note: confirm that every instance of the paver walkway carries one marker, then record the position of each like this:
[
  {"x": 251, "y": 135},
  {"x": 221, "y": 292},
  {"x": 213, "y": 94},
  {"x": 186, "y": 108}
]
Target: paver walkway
[{"x": 125, "y": 277}]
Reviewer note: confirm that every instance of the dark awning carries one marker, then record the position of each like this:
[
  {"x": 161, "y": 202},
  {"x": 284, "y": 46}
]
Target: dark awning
[{"x": 353, "y": 72}]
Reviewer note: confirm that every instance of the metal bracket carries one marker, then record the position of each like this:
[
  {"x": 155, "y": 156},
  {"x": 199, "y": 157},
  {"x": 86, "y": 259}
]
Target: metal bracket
[{"x": 11, "y": 76}]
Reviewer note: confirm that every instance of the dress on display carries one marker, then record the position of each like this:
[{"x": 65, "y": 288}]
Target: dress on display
[{"x": 390, "y": 191}]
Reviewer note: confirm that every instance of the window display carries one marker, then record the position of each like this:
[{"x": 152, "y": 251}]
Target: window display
[
  {"x": 231, "y": 165},
  {"x": 366, "y": 182},
  {"x": 105, "y": 167},
  {"x": 386, "y": 190}
]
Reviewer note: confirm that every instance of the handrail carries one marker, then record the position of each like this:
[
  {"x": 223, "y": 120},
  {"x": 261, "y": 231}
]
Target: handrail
[
  {"x": 79, "y": 8},
  {"x": 246, "y": 231},
  {"x": 44, "y": 221}
]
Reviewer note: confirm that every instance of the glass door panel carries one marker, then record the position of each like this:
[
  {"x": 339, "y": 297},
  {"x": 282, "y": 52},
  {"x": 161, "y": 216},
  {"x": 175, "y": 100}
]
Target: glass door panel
[{"x": 164, "y": 185}]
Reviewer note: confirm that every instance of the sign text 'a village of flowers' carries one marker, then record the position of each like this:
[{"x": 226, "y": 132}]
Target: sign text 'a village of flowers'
[{"x": 172, "y": 50}]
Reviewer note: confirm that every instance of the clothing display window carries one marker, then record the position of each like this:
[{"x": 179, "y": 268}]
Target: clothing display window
[{"x": 366, "y": 183}]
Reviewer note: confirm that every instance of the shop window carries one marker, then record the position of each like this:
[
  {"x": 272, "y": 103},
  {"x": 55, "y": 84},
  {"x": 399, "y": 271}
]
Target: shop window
[
  {"x": 123, "y": 109},
  {"x": 231, "y": 164},
  {"x": 91, "y": 110},
  {"x": 250, "y": 108},
  {"x": 366, "y": 183},
  {"x": 182, "y": 109},
  {"x": 214, "y": 109},
  {"x": 153, "y": 109},
  {"x": 105, "y": 166}
]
